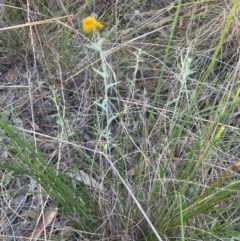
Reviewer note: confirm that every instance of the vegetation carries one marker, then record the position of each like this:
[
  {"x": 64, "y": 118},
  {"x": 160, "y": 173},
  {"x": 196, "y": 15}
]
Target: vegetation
[{"x": 121, "y": 126}]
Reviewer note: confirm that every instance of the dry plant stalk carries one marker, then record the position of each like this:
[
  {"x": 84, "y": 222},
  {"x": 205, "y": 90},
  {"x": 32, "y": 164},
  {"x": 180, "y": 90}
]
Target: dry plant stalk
[{"x": 52, "y": 20}]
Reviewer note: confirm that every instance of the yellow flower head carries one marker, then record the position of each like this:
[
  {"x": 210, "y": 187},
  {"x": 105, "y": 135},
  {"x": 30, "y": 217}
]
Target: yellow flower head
[{"x": 90, "y": 24}]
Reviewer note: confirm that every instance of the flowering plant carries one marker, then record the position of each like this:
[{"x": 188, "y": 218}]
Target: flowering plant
[{"x": 90, "y": 24}]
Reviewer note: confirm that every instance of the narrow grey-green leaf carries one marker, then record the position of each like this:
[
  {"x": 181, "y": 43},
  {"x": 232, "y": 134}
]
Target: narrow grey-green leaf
[
  {"x": 93, "y": 46},
  {"x": 112, "y": 118},
  {"x": 104, "y": 75},
  {"x": 113, "y": 84}
]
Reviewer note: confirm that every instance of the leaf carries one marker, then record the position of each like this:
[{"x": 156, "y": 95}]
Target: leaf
[
  {"x": 12, "y": 74},
  {"x": 173, "y": 101},
  {"x": 102, "y": 40},
  {"x": 94, "y": 46},
  {"x": 47, "y": 219},
  {"x": 112, "y": 118},
  {"x": 88, "y": 180},
  {"x": 103, "y": 74},
  {"x": 103, "y": 105},
  {"x": 113, "y": 84}
]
